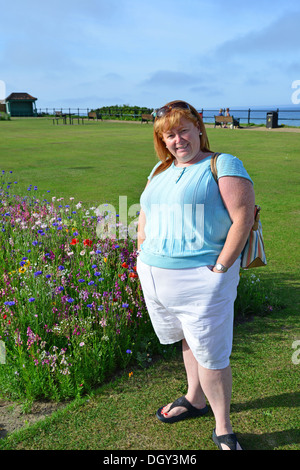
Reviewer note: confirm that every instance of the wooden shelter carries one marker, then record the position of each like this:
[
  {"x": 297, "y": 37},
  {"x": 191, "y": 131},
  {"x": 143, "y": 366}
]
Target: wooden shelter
[{"x": 21, "y": 104}]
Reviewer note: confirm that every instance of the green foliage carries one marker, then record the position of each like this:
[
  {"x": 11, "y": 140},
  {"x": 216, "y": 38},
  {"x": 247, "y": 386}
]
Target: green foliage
[
  {"x": 4, "y": 116},
  {"x": 124, "y": 112}
]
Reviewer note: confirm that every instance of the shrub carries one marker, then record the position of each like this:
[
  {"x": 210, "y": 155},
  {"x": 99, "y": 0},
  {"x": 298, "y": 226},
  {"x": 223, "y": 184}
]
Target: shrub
[{"x": 4, "y": 116}]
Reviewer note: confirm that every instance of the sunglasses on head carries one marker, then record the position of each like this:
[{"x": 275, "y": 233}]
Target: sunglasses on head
[{"x": 165, "y": 109}]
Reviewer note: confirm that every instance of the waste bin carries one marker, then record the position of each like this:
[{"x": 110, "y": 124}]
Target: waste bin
[{"x": 272, "y": 119}]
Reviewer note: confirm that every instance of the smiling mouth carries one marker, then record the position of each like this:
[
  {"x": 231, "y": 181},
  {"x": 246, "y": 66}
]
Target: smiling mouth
[{"x": 182, "y": 148}]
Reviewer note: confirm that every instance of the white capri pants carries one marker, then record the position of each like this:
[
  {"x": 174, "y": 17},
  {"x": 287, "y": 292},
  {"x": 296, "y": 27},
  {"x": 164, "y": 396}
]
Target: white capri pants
[{"x": 194, "y": 304}]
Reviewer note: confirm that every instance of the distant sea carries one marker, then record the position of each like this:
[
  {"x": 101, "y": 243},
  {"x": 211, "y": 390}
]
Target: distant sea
[{"x": 287, "y": 115}]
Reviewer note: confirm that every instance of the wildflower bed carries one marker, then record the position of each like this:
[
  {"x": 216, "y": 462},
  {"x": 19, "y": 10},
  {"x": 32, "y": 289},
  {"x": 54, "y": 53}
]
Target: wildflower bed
[{"x": 72, "y": 309}]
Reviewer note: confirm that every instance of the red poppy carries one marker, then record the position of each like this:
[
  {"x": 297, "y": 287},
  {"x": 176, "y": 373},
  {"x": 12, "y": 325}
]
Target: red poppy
[
  {"x": 125, "y": 265},
  {"x": 133, "y": 275},
  {"x": 87, "y": 242},
  {"x": 74, "y": 241}
]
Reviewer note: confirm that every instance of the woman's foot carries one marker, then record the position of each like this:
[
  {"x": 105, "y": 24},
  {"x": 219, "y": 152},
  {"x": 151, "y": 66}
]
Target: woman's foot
[
  {"x": 226, "y": 441},
  {"x": 181, "y": 409}
]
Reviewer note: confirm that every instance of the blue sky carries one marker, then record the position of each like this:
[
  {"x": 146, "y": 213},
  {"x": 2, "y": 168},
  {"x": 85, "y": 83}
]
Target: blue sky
[{"x": 92, "y": 53}]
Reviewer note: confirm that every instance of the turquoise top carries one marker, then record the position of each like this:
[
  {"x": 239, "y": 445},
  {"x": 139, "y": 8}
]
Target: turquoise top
[{"x": 186, "y": 220}]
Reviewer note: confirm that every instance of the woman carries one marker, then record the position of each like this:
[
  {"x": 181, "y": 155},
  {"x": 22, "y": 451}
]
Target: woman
[
  {"x": 191, "y": 233},
  {"x": 227, "y": 114}
]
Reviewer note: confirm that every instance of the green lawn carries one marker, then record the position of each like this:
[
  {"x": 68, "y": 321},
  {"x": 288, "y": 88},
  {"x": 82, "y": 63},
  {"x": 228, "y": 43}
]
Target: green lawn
[
  {"x": 97, "y": 163},
  {"x": 94, "y": 162}
]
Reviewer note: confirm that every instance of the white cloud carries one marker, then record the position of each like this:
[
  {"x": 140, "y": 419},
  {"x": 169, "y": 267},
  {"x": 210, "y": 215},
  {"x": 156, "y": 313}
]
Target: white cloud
[{"x": 280, "y": 36}]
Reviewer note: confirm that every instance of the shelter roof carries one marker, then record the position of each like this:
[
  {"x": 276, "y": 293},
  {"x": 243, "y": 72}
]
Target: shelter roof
[{"x": 20, "y": 96}]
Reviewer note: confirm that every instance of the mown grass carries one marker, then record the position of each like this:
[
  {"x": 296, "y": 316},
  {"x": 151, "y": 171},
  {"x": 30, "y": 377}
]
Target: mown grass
[
  {"x": 95, "y": 162},
  {"x": 99, "y": 162}
]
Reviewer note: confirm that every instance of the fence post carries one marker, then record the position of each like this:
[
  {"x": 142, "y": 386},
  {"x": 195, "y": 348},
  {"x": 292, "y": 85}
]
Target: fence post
[{"x": 249, "y": 116}]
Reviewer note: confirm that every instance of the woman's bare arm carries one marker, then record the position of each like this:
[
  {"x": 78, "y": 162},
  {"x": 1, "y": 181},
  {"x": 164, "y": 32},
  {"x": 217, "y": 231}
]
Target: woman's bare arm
[{"x": 239, "y": 199}]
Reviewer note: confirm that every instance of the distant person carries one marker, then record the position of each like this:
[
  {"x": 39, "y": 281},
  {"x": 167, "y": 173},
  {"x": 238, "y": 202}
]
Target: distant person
[
  {"x": 227, "y": 114},
  {"x": 189, "y": 260}
]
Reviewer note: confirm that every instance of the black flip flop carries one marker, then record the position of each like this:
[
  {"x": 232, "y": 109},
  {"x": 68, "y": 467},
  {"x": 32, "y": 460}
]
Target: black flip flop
[
  {"x": 191, "y": 412},
  {"x": 229, "y": 440}
]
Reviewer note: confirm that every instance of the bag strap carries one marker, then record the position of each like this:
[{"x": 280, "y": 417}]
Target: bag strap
[
  {"x": 256, "y": 217},
  {"x": 213, "y": 166}
]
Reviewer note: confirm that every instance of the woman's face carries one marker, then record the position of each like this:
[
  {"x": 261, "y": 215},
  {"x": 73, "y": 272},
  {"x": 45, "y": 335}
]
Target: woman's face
[{"x": 183, "y": 141}]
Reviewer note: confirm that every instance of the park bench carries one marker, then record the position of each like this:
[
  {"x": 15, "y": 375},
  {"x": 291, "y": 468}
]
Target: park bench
[
  {"x": 63, "y": 117},
  {"x": 221, "y": 120},
  {"x": 146, "y": 118},
  {"x": 58, "y": 116},
  {"x": 93, "y": 115}
]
